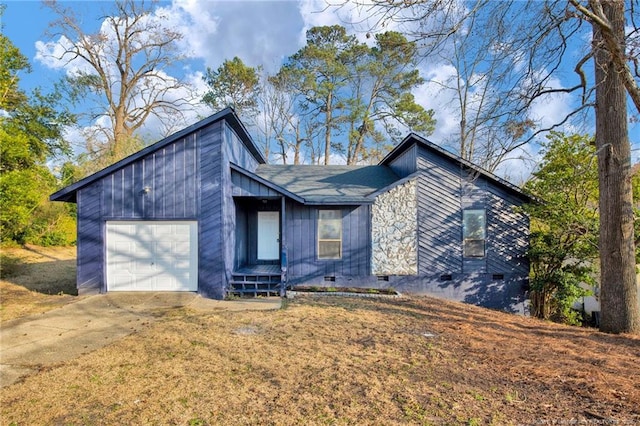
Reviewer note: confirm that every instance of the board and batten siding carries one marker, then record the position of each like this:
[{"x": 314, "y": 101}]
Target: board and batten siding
[
  {"x": 304, "y": 267},
  {"x": 90, "y": 228},
  {"x": 233, "y": 151},
  {"x": 170, "y": 176},
  {"x": 183, "y": 181},
  {"x": 211, "y": 269}
]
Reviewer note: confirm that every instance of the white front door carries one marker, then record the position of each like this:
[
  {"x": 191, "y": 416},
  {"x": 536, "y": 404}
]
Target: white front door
[
  {"x": 152, "y": 256},
  {"x": 268, "y": 235}
]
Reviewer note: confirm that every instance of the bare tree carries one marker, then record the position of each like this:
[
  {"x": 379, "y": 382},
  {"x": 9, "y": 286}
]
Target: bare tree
[
  {"x": 279, "y": 123},
  {"x": 538, "y": 34},
  {"x": 123, "y": 68},
  {"x": 491, "y": 125}
]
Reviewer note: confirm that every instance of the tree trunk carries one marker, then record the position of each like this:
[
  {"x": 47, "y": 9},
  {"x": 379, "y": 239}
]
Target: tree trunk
[
  {"x": 327, "y": 132},
  {"x": 120, "y": 134},
  {"x": 619, "y": 290},
  {"x": 298, "y": 147}
]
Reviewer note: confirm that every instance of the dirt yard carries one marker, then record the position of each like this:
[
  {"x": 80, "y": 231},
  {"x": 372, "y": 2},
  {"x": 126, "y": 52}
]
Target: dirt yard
[
  {"x": 35, "y": 279},
  {"x": 338, "y": 360}
]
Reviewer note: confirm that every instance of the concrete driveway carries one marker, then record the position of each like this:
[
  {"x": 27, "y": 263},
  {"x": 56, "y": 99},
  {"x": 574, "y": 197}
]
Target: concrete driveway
[{"x": 59, "y": 335}]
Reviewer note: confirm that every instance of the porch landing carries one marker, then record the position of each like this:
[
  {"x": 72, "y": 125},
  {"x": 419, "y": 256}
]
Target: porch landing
[
  {"x": 256, "y": 280},
  {"x": 258, "y": 270}
]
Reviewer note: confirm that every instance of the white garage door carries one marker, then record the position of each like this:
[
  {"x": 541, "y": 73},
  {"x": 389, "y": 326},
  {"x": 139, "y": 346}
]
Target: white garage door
[{"x": 152, "y": 256}]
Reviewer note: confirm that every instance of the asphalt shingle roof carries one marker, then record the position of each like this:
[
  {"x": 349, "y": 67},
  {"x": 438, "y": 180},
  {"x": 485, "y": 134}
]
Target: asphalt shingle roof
[{"x": 329, "y": 184}]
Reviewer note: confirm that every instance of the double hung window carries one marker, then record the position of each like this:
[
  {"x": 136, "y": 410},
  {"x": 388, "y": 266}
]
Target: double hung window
[
  {"x": 329, "y": 234},
  {"x": 474, "y": 225}
]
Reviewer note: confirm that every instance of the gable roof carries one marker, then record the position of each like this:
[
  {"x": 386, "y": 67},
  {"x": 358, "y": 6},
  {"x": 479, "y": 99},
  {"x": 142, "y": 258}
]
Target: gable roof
[
  {"x": 329, "y": 184},
  {"x": 69, "y": 193},
  {"x": 430, "y": 146}
]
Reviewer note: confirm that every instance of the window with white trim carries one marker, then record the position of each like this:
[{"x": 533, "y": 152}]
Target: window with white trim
[
  {"x": 329, "y": 234},
  {"x": 474, "y": 232}
]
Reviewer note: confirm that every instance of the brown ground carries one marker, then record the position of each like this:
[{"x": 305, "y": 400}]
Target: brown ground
[
  {"x": 337, "y": 360},
  {"x": 35, "y": 279}
]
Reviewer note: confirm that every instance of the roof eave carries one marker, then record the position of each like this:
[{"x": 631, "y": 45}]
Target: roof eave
[
  {"x": 337, "y": 202},
  {"x": 399, "y": 182},
  {"x": 246, "y": 138},
  {"x": 415, "y": 138},
  {"x": 398, "y": 149},
  {"x": 68, "y": 193}
]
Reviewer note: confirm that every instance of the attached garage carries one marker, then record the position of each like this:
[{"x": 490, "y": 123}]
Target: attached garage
[{"x": 152, "y": 255}]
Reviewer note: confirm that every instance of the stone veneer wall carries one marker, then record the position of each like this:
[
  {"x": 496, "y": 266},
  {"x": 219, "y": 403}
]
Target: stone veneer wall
[{"x": 394, "y": 231}]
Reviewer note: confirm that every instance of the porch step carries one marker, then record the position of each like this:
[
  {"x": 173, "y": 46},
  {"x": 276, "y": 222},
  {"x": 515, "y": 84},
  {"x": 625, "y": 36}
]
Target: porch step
[{"x": 254, "y": 285}]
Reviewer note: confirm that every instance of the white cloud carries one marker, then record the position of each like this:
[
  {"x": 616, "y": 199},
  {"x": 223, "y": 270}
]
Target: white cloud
[
  {"x": 363, "y": 19},
  {"x": 433, "y": 95},
  {"x": 194, "y": 20},
  {"x": 551, "y": 109},
  {"x": 50, "y": 53},
  {"x": 520, "y": 163},
  {"x": 260, "y": 33},
  {"x": 359, "y": 19},
  {"x": 74, "y": 135},
  {"x": 186, "y": 16},
  {"x": 54, "y": 55},
  {"x": 192, "y": 109}
]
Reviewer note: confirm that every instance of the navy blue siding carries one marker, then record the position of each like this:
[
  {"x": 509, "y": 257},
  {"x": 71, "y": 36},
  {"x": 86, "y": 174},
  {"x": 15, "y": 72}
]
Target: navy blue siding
[
  {"x": 241, "y": 236},
  {"x": 301, "y": 236},
  {"x": 190, "y": 179},
  {"x": 171, "y": 176},
  {"x": 445, "y": 188},
  {"x": 508, "y": 234},
  {"x": 245, "y": 186},
  {"x": 444, "y": 191},
  {"x": 473, "y": 189},
  {"x": 233, "y": 151},
  {"x": 228, "y": 227},
  {"x": 406, "y": 163},
  {"x": 439, "y": 216},
  {"x": 183, "y": 177},
  {"x": 184, "y": 180},
  {"x": 211, "y": 269},
  {"x": 90, "y": 261},
  {"x": 236, "y": 151}
]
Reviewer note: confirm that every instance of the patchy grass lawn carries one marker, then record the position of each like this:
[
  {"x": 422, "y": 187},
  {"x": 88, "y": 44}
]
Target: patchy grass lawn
[{"x": 344, "y": 361}]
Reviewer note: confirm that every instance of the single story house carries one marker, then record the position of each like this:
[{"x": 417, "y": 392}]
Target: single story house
[{"x": 202, "y": 211}]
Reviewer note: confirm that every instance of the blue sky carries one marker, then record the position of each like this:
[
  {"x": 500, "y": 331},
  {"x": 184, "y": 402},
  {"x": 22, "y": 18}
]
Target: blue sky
[{"x": 259, "y": 32}]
